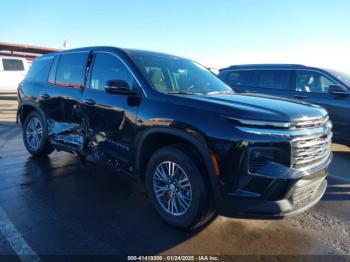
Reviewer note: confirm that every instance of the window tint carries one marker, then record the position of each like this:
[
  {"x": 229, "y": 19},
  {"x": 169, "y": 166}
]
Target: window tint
[
  {"x": 276, "y": 79},
  {"x": 12, "y": 64},
  {"x": 108, "y": 67},
  {"x": 39, "y": 71},
  {"x": 310, "y": 81},
  {"x": 71, "y": 69},
  {"x": 240, "y": 78}
]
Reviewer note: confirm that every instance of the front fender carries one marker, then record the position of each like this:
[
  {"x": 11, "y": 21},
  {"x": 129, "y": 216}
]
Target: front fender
[{"x": 194, "y": 139}]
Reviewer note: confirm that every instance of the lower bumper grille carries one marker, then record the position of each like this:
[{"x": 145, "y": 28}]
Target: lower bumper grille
[{"x": 304, "y": 194}]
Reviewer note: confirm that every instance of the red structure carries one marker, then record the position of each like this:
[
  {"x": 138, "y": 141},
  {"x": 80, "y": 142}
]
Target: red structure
[{"x": 27, "y": 51}]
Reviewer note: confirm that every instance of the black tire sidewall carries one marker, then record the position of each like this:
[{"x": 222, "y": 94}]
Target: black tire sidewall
[
  {"x": 44, "y": 141},
  {"x": 199, "y": 203}
]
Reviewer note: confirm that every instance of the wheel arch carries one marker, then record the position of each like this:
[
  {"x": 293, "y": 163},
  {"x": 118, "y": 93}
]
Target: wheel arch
[
  {"x": 154, "y": 138},
  {"x": 24, "y": 110}
]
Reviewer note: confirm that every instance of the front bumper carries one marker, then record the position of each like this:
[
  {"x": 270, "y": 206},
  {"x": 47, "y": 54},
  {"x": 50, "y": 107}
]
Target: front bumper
[{"x": 289, "y": 192}]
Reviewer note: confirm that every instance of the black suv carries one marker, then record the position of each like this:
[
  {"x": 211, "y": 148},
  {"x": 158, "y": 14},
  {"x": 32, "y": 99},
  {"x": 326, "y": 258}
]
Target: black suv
[
  {"x": 325, "y": 87},
  {"x": 199, "y": 148}
]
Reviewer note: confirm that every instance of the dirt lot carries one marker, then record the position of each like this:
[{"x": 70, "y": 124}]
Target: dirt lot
[{"x": 58, "y": 206}]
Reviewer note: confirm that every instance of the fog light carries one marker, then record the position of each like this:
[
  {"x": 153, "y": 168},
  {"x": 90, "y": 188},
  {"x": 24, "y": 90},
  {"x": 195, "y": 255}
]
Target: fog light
[{"x": 260, "y": 156}]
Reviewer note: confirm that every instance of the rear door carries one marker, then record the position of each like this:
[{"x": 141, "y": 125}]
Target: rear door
[
  {"x": 274, "y": 83},
  {"x": 312, "y": 86},
  {"x": 60, "y": 99},
  {"x": 111, "y": 118},
  {"x": 267, "y": 82}
]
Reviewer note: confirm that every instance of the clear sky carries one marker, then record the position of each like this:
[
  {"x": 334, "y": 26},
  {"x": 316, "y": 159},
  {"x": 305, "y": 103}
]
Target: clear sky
[{"x": 216, "y": 33}]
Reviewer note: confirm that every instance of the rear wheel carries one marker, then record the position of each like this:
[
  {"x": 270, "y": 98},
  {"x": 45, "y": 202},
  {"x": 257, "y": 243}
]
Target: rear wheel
[
  {"x": 35, "y": 135},
  {"x": 177, "y": 189}
]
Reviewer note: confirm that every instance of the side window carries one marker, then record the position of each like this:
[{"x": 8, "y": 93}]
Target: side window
[
  {"x": 275, "y": 79},
  {"x": 310, "y": 81},
  {"x": 39, "y": 71},
  {"x": 108, "y": 67},
  {"x": 240, "y": 78},
  {"x": 325, "y": 83},
  {"x": 12, "y": 64},
  {"x": 71, "y": 70}
]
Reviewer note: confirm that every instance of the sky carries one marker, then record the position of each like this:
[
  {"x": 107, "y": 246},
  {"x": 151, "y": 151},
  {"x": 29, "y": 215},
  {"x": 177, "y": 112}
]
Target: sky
[{"x": 215, "y": 33}]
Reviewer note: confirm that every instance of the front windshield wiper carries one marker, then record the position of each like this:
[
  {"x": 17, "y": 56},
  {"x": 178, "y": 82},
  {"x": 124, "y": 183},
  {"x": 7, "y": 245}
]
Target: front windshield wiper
[{"x": 219, "y": 92}]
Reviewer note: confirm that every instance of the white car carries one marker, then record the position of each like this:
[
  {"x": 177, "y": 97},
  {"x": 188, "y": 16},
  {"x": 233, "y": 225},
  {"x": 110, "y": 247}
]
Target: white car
[{"x": 12, "y": 72}]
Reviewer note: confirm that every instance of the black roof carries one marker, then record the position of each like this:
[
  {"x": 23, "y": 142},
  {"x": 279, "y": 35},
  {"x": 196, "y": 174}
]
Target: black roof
[{"x": 111, "y": 49}]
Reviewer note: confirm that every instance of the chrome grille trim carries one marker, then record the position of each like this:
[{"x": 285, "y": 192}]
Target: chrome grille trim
[
  {"x": 310, "y": 142},
  {"x": 295, "y": 125},
  {"x": 310, "y": 123},
  {"x": 310, "y": 151}
]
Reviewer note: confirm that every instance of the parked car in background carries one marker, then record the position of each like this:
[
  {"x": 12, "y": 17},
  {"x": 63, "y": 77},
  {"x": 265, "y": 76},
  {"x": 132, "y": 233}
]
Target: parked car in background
[
  {"x": 167, "y": 121},
  {"x": 12, "y": 72},
  {"x": 325, "y": 87}
]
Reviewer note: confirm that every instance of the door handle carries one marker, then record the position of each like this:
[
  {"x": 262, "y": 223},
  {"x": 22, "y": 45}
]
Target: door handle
[
  {"x": 45, "y": 96},
  {"x": 89, "y": 102},
  {"x": 300, "y": 96}
]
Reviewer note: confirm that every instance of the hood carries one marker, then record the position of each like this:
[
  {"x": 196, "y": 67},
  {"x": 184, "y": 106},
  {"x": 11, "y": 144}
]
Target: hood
[{"x": 255, "y": 107}]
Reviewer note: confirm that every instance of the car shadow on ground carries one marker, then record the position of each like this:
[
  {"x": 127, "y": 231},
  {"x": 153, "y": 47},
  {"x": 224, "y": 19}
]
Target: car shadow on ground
[
  {"x": 93, "y": 199},
  {"x": 337, "y": 191},
  {"x": 339, "y": 180}
]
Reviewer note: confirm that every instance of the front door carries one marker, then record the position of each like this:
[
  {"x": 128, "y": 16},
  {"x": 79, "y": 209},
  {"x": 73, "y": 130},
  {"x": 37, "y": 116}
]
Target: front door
[{"x": 111, "y": 118}]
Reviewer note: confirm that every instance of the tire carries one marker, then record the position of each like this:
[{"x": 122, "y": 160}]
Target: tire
[
  {"x": 34, "y": 124},
  {"x": 189, "y": 214}
]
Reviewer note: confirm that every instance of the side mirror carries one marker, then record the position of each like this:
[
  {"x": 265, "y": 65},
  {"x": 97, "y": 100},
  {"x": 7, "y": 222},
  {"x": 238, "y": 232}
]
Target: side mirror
[
  {"x": 338, "y": 90},
  {"x": 118, "y": 87}
]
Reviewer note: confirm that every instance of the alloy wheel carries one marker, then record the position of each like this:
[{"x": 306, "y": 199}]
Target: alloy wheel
[
  {"x": 172, "y": 188},
  {"x": 34, "y": 133}
]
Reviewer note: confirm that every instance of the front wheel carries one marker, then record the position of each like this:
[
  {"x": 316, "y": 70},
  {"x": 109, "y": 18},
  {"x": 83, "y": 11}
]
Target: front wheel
[
  {"x": 177, "y": 189},
  {"x": 35, "y": 135}
]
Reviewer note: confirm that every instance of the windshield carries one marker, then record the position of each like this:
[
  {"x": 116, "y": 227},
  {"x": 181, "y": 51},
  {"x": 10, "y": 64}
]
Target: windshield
[
  {"x": 176, "y": 75},
  {"x": 344, "y": 77}
]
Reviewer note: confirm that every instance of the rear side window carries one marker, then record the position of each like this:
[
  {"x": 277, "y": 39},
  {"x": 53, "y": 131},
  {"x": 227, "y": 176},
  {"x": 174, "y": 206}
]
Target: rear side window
[
  {"x": 275, "y": 79},
  {"x": 12, "y": 64},
  {"x": 240, "y": 78},
  {"x": 71, "y": 69},
  {"x": 39, "y": 70}
]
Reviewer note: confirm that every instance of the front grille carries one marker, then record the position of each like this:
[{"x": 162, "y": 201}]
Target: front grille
[
  {"x": 308, "y": 151},
  {"x": 310, "y": 123}
]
